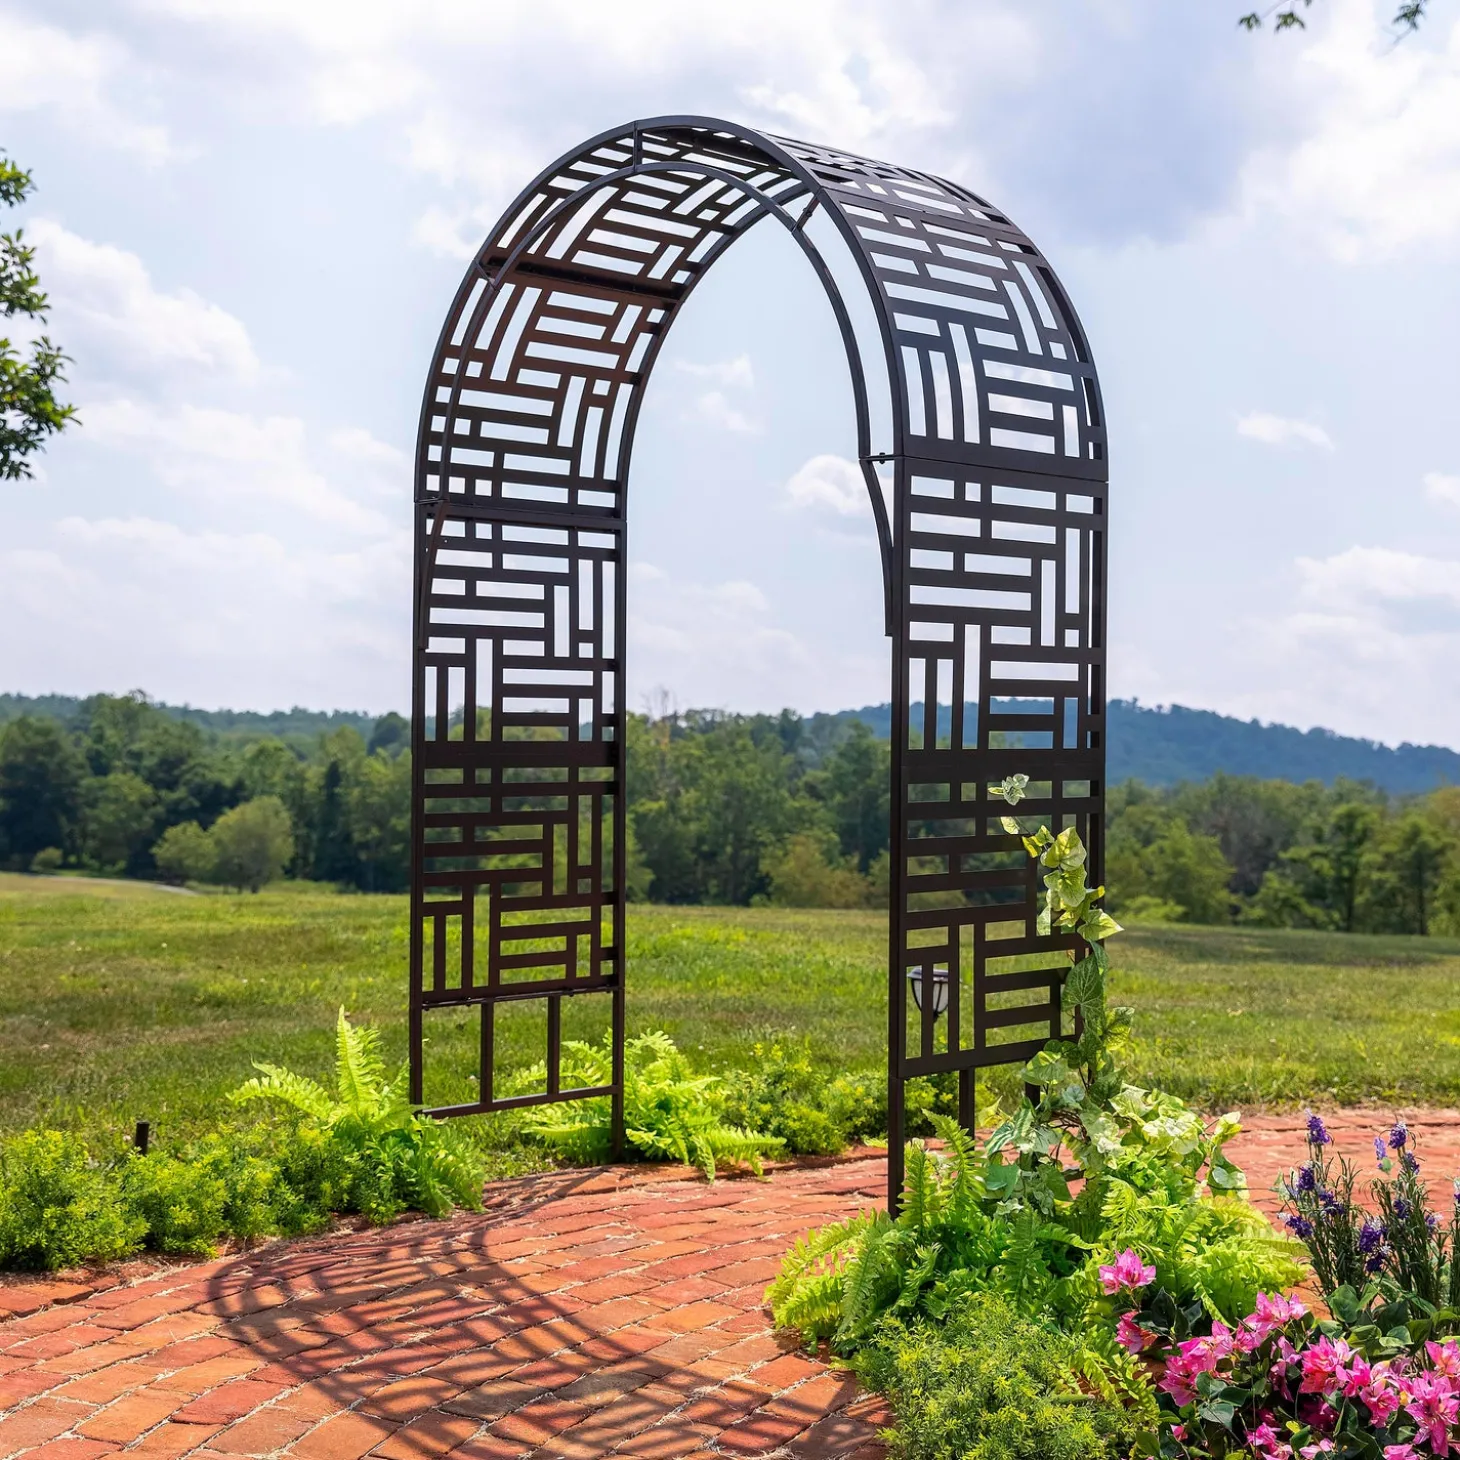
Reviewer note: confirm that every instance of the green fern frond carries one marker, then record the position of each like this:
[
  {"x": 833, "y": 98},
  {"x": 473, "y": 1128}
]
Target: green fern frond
[
  {"x": 1023, "y": 1275},
  {"x": 807, "y": 1293},
  {"x": 299, "y": 1091},
  {"x": 1100, "y": 1366},
  {"x": 359, "y": 1070},
  {"x": 866, "y": 1272},
  {"x": 921, "y": 1196},
  {"x": 967, "y": 1187}
]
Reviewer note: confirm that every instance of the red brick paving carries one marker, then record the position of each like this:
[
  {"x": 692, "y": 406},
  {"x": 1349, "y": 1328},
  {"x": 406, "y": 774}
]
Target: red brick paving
[{"x": 584, "y": 1314}]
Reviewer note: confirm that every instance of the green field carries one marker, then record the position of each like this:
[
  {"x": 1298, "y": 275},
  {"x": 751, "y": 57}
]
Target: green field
[{"x": 120, "y": 1002}]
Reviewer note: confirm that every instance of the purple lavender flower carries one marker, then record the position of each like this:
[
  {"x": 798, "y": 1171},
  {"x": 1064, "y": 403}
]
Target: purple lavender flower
[
  {"x": 1409, "y": 1161},
  {"x": 1398, "y": 1137},
  {"x": 1331, "y": 1204},
  {"x": 1379, "y": 1151},
  {"x": 1401, "y": 1208},
  {"x": 1431, "y": 1221},
  {"x": 1306, "y": 1181},
  {"x": 1371, "y": 1237},
  {"x": 1374, "y": 1263},
  {"x": 1318, "y": 1132},
  {"x": 1299, "y": 1226}
]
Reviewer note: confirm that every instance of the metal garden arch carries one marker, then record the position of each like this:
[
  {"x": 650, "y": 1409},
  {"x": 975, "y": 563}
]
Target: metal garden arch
[{"x": 990, "y": 506}]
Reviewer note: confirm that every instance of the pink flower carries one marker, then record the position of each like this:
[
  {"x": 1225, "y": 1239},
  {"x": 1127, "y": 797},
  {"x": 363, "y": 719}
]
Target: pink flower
[
  {"x": 1401, "y": 1452},
  {"x": 1435, "y": 1406},
  {"x": 1265, "y": 1443},
  {"x": 1356, "y": 1377},
  {"x": 1178, "y": 1432},
  {"x": 1131, "y": 1336},
  {"x": 1278, "y": 1374},
  {"x": 1220, "y": 1342},
  {"x": 1127, "y": 1272},
  {"x": 1323, "y": 1366},
  {"x": 1271, "y": 1313},
  {"x": 1179, "y": 1381},
  {"x": 1379, "y": 1394},
  {"x": 1323, "y": 1447},
  {"x": 1182, "y": 1372},
  {"x": 1445, "y": 1358}
]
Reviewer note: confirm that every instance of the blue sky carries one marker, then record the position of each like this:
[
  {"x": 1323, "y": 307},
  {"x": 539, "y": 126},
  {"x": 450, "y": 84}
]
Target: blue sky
[{"x": 252, "y": 217}]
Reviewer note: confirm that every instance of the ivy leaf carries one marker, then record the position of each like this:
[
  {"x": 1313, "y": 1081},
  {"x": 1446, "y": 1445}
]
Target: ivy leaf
[
  {"x": 1046, "y": 1068},
  {"x": 1103, "y": 1132},
  {"x": 1098, "y": 926},
  {"x": 999, "y": 1178},
  {"x": 1012, "y": 788}
]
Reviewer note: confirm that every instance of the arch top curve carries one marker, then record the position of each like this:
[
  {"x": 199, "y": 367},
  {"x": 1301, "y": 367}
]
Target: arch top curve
[
  {"x": 587, "y": 269},
  {"x": 991, "y": 511}
]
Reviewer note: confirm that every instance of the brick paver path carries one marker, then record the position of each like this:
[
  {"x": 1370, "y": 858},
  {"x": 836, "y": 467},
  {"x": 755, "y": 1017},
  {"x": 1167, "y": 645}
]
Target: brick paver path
[{"x": 584, "y": 1314}]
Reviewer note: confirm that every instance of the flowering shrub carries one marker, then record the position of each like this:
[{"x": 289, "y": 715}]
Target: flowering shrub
[
  {"x": 1402, "y": 1247},
  {"x": 1281, "y": 1385}
]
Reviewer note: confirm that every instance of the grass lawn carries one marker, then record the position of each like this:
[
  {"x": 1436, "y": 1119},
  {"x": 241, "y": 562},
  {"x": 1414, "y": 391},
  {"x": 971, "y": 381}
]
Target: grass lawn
[{"x": 126, "y": 1002}]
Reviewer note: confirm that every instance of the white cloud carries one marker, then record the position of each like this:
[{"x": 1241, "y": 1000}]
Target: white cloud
[
  {"x": 1442, "y": 488},
  {"x": 821, "y": 68},
  {"x": 1376, "y": 167},
  {"x": 1359, "y": 649},
  {"x": 736, "y": 374},
  {"x": 713, "y": 408},
  {"x": 228, "y": 455},
  {"x": 451, "y": 235},
  {"x": 708, "y": 644},
  {"x": 114, "y": 320},
  {"x": 830, "y": 481},
  {"x": 1274, "y": 430},
  {"x": 1373, "y": 576},
  {"x": 206, "y": 616},
  {"x": 73, "y": 78}
]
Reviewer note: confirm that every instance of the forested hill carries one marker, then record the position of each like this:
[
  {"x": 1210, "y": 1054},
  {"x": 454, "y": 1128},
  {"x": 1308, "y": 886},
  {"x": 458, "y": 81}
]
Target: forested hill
[
  {"x": 296, "y": 725},
  {"x": 1164, "y": 746},
  {"x": 1159, "y": 746}
]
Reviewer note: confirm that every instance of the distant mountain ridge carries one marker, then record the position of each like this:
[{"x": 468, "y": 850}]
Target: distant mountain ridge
[
  {"x": 1159, "y": 745},
  {"x": 1166, "y": 744}
]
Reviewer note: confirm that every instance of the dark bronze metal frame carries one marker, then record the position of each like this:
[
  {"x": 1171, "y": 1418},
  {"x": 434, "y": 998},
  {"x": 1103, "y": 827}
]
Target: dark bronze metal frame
[{"x": 990, "y": 505}]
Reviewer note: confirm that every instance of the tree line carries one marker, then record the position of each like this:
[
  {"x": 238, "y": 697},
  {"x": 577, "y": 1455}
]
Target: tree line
[
  {"x": 116, "y": 784},
  {"x": 1345, "y": 857},
  {"x": 723, "y": 808}
]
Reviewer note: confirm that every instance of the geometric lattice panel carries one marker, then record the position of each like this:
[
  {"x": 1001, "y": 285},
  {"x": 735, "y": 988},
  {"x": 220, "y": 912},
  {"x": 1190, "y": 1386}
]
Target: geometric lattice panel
[{"x": 990, "y": 506}]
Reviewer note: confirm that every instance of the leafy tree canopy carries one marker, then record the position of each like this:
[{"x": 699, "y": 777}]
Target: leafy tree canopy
[
  {"x": 1287, "y": 17},
  {"x": 29, "y": 410}
]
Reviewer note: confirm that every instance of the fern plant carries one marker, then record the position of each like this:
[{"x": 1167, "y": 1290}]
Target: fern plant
[
  {"x": 399, "y": 1159},
  {"x": 670, "y": 1113},
  {"x": 839, "y": 1282}
]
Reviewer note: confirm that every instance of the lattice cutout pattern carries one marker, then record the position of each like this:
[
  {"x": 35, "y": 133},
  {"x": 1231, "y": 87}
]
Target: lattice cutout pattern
[{"x": 993, "y": 541}]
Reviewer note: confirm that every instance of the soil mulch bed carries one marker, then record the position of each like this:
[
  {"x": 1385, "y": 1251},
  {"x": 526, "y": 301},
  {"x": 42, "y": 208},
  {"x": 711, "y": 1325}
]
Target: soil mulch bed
[{"x": 583, "y": 1314}]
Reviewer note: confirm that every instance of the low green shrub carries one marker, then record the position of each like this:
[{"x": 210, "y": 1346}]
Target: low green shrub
[
  {"x": 237, "y": 1186},
  {"x": 181, "y": 1203},
  {"x": 363, "y": 1148},
  {"x": 59, "y": 1207},
  {"x": 989, "y": 1384},
  {"x": 786, "y": 1094},
  {"x": 670, "y": 1113}
]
